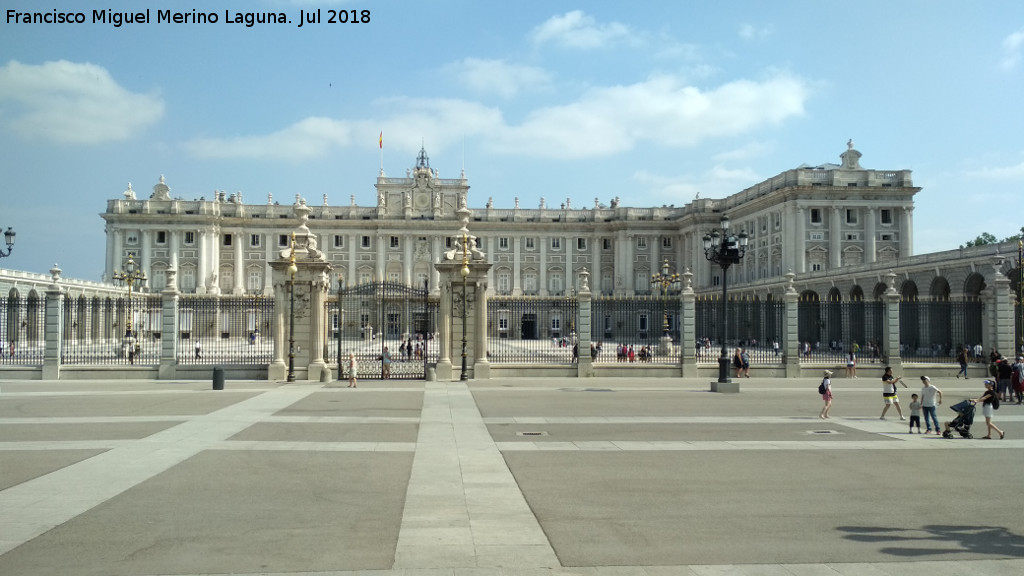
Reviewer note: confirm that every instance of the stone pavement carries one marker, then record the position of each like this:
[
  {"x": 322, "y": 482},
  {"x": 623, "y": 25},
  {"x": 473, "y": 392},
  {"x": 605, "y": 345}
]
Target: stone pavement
[{"x": 555, "y": 476}]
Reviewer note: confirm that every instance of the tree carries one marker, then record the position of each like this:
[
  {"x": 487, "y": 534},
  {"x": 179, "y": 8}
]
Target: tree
[{"x": 982, "y": 240}]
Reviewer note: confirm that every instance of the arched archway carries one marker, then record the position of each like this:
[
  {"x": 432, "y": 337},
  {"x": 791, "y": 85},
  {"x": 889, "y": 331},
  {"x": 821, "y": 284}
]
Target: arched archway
[
  {"x": 856, "y": 293},
  {"x": 809, "y": 318}
]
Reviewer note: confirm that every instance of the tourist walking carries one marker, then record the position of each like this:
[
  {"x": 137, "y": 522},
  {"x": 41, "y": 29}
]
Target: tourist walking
[
  {"x": 825, "y": 388},
  {"x": 353, "y": 370},
  {"x": 961, "y": 358},
  {"x": 989, "y": 402},
  {"x": 199, "y": 350},
  {"x": 851, "y": 365},
  {"x": 930, "y": 398},
  {"x": 889, "y": 392}
]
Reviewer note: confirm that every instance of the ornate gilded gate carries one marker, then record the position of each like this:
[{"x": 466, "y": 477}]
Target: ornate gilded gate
[{"x": 368, "y": 319}]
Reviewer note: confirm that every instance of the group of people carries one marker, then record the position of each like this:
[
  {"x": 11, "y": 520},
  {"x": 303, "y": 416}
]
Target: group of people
[
  {"x": 927, "y": 402},
  {"x": 741, "y": 362},
  {"x": 626, "y": 353}
]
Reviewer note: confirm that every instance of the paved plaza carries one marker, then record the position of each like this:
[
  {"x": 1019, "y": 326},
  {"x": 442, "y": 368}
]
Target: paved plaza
[{"x": 643, "y": 477}]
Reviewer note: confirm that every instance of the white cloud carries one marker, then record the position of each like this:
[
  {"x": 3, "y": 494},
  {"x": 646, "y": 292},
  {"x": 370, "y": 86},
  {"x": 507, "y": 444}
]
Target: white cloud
[
  {"x": 751, "y": 32},
  {"x": 406, "y": 121},
  {"x": 499, "y": 77},
  {"x": 577, "y": 30},
  {"x": 717, "y": 182},
  {"x": 602, "y": 122},
  {"x": 1013, "y": 45},
  {"x": 745, "y": 152},
  {"x": 1012, "y": 172},
  {"x": 309, "y": 138},
  {"x": 661, "y": 110},
  {"x": 72, "y": 103}
]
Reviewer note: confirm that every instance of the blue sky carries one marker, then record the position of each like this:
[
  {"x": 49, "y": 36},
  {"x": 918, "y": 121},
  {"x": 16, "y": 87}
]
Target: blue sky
[{"x": 651, "y": 102}]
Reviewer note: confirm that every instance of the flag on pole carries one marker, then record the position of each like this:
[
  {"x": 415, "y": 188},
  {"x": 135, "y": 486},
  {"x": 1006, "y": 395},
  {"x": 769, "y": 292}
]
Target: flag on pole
[{"x": 380, "y": 141}]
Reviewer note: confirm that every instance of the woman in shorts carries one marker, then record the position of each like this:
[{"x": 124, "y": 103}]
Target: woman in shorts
[{"x": 889, "y": 393}]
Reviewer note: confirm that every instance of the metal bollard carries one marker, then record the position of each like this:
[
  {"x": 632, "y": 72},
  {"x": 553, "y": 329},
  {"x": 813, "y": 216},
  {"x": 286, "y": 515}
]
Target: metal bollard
[{"x": 218, "y": 378}]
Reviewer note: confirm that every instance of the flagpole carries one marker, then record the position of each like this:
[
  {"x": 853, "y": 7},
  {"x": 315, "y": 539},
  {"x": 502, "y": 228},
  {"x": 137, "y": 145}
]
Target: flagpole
[{"x": 380, "y": 142}]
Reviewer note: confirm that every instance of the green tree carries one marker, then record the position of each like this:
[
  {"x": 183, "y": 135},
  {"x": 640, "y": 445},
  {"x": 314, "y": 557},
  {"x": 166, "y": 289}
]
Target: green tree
[{"x": 982, "y": 240}]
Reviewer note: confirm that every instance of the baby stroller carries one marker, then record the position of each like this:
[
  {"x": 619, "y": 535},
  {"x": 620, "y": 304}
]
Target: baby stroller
[{"x": 964, "y": 418}]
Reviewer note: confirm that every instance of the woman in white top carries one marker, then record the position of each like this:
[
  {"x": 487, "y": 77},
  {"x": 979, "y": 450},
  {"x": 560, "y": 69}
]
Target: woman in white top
[{"x": 353, "y": 370}]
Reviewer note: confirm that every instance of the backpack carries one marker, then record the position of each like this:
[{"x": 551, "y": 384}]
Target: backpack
[
  {"x": 821, "y": 387},
  {"x": 995, "y": 401}
]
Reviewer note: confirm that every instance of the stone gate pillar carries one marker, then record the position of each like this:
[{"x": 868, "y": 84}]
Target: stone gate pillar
[
  {"x": 53, "y": 327},
  {"x": 585, "y": 363},
  {"x": 890, "y": 346},
  {"x": 1003, "y": 326},
  {"x": 169, "y": 299},
  {"x": 688, "y": 328},
  {"x": 301, "y": 279},
  {"x": 463, "y": 279},
  {"x": 791, "y": 329}
]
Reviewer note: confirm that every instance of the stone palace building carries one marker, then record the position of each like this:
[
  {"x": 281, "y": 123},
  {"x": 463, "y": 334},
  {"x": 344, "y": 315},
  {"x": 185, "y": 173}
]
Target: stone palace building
[{"x": 808, "y": 219}]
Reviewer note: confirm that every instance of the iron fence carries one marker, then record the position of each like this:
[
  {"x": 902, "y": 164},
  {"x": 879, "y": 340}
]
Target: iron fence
[
  {"x": 371, "y": 319},
  {"x": 934, "y": 330},
  {"x": 532, "y": 329},
  {"x": 755, "y": 325},
  {"x": 829, "y": 331},
  {"x": 22, "y": 323},
  {"x": 635, "y": 329},
  {"x": 109, "y": 331},
  {"x": 225, "y": 329}
]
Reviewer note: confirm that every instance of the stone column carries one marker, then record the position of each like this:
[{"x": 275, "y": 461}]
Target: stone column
[
  {"x": 169, "y": 298},
  {"x": 791, "y": 329},
  {"x": 517, "y": 281},
  {"x": 481, "y": 365},
  {"x": 907, "y": 232},
  {"x": 147, "y": 254},
  {"x": 1003, "y": 333},
  {"x": 688, "y": 326},
  {"x": 543, "y": 272},
  {"x": 204, "y": 263},
  {"x": 444, "y": 336},
  {"x": 627, "y": 265},
  {"x": 835, "y": 241},
  {"x": 319, "y": 286},
  {"x": 891, "y": 329},
  {"x": 870, "y": 247},
  {"x": 800, "y": 244},
  {"x": 584, "y": 298},
  {"x": 53, "y": 326},
  {"x": 278, "y": 369},
  {"x": 237, "y": 238}
]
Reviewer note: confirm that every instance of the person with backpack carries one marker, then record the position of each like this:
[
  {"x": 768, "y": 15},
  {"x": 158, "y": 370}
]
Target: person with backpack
[
  {"x": 1017, "y": 380},
  {"x": 825, "y": 389},
  {"x": 989, "y": 402}
]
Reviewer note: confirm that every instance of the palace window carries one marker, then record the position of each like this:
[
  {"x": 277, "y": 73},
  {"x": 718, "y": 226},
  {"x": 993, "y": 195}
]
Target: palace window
[
  {"x": 581, "y": 243},
  {"x": 283, "y": 240},
  {"x": 365, "y": 242},
  {"x": 254, "y": 280},
  {"x": 503, "y": 243},
  {"x": 254, "y": 240},
  {"x": 815, "y": 216},
  {"x": 530, "y": 244},
  {"x": 666, "y": 241},
  {"x": 641, "y": 242},
  {"x": 504, "y": 283},
  {"x": 886, "y": 216},
  {"x": 226, "y": 240},
  {"x": 394, "y": 241},
  {"x": 190, "y": 238},
  {"x": 339, "y": 241},
  {"x": 606, "y": 243},
  {"x": 556, "y": 243},
  {"x": 131, "y": 238},
  {"x": 851, "y": 216},
  {"x": 161, "y": 237}
]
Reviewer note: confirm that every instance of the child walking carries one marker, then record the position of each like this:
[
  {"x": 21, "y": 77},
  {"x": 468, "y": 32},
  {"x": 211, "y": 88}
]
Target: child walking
[{"x": 915, "y": 413}]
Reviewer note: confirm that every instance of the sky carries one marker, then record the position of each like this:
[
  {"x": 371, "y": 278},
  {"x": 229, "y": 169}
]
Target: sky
[{"x": 650, "y": 102}]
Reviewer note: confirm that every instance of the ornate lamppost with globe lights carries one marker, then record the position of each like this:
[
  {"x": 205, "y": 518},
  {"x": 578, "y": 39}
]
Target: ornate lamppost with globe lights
[
  {"x": 665, "y": 282},
  {"x": 9, "y": 239},
  {"x": 724, "y": 249},
  {"x": 129, "y": 276}
]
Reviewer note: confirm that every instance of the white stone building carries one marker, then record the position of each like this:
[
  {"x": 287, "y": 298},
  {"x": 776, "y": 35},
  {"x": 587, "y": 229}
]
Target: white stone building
[{"x": 810, "y": 218}]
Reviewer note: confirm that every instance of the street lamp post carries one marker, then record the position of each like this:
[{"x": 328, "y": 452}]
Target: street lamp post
[
  {"x": 9, "y": 239},
  {"x": 465, "y": 304},
  {"x": 724, "y": 250},
  {"x": 292, "y": 269},
  {"x": 665, "y": 282},
  {"x": 129, "y": 276}
]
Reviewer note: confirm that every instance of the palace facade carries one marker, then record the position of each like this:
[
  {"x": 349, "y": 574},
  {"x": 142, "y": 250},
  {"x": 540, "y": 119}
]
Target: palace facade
[{"x": 807, "y": 219}]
